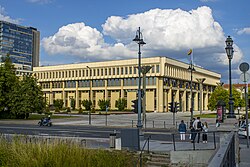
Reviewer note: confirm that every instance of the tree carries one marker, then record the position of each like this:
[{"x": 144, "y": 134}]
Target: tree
[
  {"x": 27, "y": 98},
  {"x": 18, "y": 96},
  {"x": 223, "y": 95},
  {"x": 218, "y": 94},
  {"x": 58, "y": 103},
  {"x": 87, "y": 104},
  {"x": 103, "y": 103},
  {"x": 8, "y": 83},
  {"x": 121, "y": 104}
]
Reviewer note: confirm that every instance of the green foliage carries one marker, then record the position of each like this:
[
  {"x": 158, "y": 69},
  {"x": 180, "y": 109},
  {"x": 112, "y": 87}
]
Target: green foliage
[
  {"x": 58, "y": 103},
  {"x": 18, "y": 98},
  {"x": 218, "y": 94},
  {"x": 87, "y": 104},
  {"x": 223, "y": 94},
  {"x": 238, "y": 101},
  {"x": 103, "y": 103},
  {"x": 73, "y": 103},
  {"x": 8, "y": 82},
  {"x": 57, "y": 110},
  {"x": 121, "y": 104},
  {"x": 59, "y": 154}
]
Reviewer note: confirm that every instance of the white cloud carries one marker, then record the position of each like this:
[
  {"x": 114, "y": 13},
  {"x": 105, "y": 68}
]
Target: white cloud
[
  {"x": 81, "y": 40},
  {"x": 40, "y": 1},
  {"x": 167, "y": 32},
  {"x": 4, "y": 17},
  {"x": 244, "y": 31}
]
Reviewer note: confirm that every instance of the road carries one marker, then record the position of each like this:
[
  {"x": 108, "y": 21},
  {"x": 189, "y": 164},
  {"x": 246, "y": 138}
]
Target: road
[{"x": 77, "y": 131}]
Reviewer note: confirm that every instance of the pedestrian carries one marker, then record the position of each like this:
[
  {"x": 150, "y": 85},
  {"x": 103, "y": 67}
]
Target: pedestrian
[
  {"x": 204, "y": 134},
  {"x": 182, "y": 130},
  {"x": 192, "y": 130},
  {"x": 198, "y": 128}
]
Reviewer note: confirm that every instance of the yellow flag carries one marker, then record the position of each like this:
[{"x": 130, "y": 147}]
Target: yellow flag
[{"x": 190, "y": 52}]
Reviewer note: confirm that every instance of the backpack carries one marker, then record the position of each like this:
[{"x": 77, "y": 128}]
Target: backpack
[{"x": 199, "y": 125}]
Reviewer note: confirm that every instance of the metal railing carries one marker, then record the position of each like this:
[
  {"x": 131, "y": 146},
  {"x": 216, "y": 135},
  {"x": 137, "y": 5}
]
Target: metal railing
[
  {"x": 225, "y": 156},
  {"x": 139, "y": 161},
  {"x": 210, "y": 136}
]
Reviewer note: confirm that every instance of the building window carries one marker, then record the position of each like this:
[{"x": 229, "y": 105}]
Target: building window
[
  {"x": 153, "y": 69},
  {"x": 109, "y": 71},
  {"x": 135, "y": 70},
  {"x": 113, "y": 71},
  {"x": 106, "y": 71},
  {"x": 117, "y": 71},
  {"x": 157, "y": 68},
  {"x": 130, "y": 70},
  {"x": 98, "y": 72},
  {"x": 121, "y": 70}
]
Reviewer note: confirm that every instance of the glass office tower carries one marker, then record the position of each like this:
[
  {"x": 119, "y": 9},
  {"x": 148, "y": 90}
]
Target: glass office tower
[{"x": 22, "y": 43}]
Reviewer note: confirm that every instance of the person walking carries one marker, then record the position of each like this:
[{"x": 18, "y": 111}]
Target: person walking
[
  {"x": 182, "y": 130},
  {"x": 198, "y": 128},
  {"x": 192, "y": 130},
  {"x": 204, "y": 134}
]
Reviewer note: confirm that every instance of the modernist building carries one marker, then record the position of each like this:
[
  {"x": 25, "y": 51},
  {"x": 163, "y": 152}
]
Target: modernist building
[
  {"x": 22, "y": 43},
  {"x": 112, "y": 80}
]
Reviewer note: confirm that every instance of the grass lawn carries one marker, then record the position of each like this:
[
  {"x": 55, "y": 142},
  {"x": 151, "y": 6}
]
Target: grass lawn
[{"x": 211, "y": 115}]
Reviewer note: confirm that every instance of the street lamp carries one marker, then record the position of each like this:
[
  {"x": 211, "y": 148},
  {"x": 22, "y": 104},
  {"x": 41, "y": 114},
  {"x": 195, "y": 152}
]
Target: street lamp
[
  {"x": 191, "y": 69},
  {"x": 90, "y": 90},
  {"x": 139, "y": 40},
  {"x": 229, "y": 50}
]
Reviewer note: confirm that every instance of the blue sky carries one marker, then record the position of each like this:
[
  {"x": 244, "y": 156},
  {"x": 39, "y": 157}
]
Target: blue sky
[{"x": 98, "y": 30}]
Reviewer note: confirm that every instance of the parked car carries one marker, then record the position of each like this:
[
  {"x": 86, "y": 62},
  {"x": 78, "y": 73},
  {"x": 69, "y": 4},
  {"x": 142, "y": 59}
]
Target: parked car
[{"x": 242, "y": 130}]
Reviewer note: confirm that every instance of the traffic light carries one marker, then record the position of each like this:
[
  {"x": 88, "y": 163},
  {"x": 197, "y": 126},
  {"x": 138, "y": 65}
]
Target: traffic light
[
  {"x": 177, "y": 107},
  {"x": 171, "y": 107},
  {"x": 135, "y": 106}
]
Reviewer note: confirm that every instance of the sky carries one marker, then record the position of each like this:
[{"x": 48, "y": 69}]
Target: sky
[{"x": 74, "y": 31}]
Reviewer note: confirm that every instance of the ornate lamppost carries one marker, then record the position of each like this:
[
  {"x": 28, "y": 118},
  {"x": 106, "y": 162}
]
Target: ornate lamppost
[
  {"x": 191, "y": 69},
  {"x": 229, "y": 50},
  {"x": 139, "y": 40}
]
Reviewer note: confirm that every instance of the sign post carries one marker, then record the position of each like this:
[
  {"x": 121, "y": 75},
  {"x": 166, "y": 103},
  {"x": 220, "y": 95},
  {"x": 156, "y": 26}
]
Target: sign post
[{"x": 244, "y": 67}]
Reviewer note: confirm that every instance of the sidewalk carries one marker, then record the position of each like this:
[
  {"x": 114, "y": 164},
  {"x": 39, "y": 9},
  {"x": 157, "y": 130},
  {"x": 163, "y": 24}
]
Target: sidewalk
[{"x": 244, "y": 156}]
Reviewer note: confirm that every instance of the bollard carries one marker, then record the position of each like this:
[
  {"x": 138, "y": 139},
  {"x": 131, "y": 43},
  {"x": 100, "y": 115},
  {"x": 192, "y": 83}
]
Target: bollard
[
  {"x": 164, "y": 124},
  {"x": 112, "y": 137}
]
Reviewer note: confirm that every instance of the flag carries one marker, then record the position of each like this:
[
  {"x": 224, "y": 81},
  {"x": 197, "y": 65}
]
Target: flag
[{"x": 190, "y": 51}]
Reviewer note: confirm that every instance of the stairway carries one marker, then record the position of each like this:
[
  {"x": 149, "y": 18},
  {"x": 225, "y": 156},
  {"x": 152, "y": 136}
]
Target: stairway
[{"x": 159, "y": 160}]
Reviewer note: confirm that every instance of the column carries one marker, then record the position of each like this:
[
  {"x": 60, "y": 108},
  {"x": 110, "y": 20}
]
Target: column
[
  {"x": 184, "y": 106},
  {"x": 195, "y": 101},
  {"x": 63, "y": 94},
  {"x": 77, "y": 95},
  {"x": 159, "y": 94}
]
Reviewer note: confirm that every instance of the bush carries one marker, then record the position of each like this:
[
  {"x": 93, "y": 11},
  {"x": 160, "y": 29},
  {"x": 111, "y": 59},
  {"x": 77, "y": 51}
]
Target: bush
[
  {"x": 87, "y": 104},
  {"x": 121, "y": 104},
  {"x": 103, "y": 104},
  {"x": 57, "y": 110}
]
